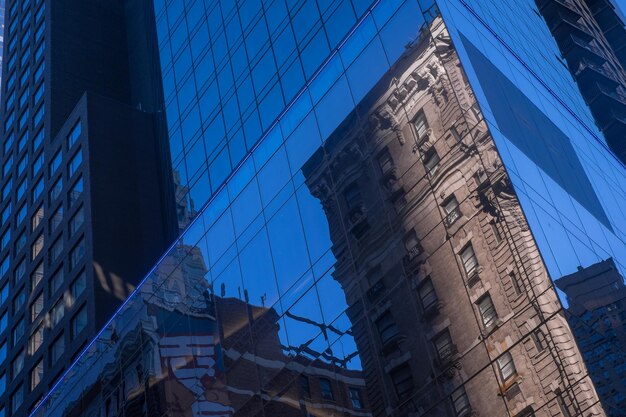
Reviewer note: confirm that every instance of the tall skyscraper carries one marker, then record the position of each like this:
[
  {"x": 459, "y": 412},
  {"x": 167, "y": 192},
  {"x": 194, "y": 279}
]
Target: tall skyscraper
[
  {"x": 374, "y": 196},
  {"x": 597, "y": 312},
  {"x": 83, "y": 185},
  {"x": 592, "y": 38}
]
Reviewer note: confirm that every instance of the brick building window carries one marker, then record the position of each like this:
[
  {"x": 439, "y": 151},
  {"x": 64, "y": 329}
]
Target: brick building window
[
  {"x": 421, "y": 125},
  {"x": 468, "y": 258},
  {"x": 355, "y": 398},
  {"x": 402, "y": 380},
  {"x": 431, "y": 160},
  {"x": 461, "y": 403},
  {"x": 487, "y": 311},
  {"x": 452, "y": 210},
  {"x": 506, "y": 366},
  {"x": 427, "y": 294},
  {"x": 539, "y": 338},
  {"x": 444, "y": 346},
  {"x": 352, "y": 195},
  {"x": 387, "y": 328},
  {"x": 326, "y": 389}
]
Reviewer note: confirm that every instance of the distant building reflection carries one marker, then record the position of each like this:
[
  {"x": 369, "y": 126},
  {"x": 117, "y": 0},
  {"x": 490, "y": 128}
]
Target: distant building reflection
[
  {"x": 597, "y": 314},
  {"x": 184, "y": 351}
]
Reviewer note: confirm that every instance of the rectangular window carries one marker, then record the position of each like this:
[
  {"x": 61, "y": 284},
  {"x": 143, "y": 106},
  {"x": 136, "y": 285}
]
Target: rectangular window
[
  {"x": 38, "y": 140},
  {"x": 19, "y": 300},
  {"x": 5, "y": 266},
  {"x": 4, "y": 293},
  {"x": 17, "y": 398},
  {"x": 487, "y": 311},
  {"x": 326, "y": 389},
  {"x": 21, "y": 214},
  {"x": 385, "y": 161},
  {"x": 76, "y": 191},
  {"x": 37, "y": 247},
  {"x": 4, "y": 321},
  {"x": 79, "y": 322},
  {"x": 539, "y": 338},
  {"x": 506, "y": 366},
  {"x": 36, "y": 375},
  {"x": 56, "y": 189},
  {"x": 352, "y": 195},
  {"x": 19, "y": 272},
  {"x": 55, "y": 163},
  {"x": 21, "y": 188},
  {"x": 6, "y": 190},
  {"x": 6, "y": 238},
  {"x": 56, "y": 250},
  {"x": 387, "y": 328},
  {"x": 427, "y": 294},
  {"x": 444, "y": 346},
  {"x": 17, "y": 365},
  {"x": 21, "y": 166},
  {"x": 58, "y": 312},
  {"x": 75, "y": 162},
  {"x": 37, "y": 164},
  {"x": 36, "y": 340},
  {"x": 470, "y": 263},
  {"x": 37, "y": 218},
  {"x": 37, "y": 276},
  {"x": 36, "y": 307},
  {"x": 74, "y": 134},
  {"x": 6, "y": 213},
  {"x": 77, "y": 254},
  {"x": 20, "y": 242},
  {"x": 56, "y": 219},
  {"x": 402, "y": 380},
  {"x": 452, "y": 211},
  {"x": 38, "y": 189},
  {"x": 517, "y": 285},
  {"x": 79, "y": 285},
  {"x": 412, "y": 245},
  {"x": 496, "y": 231},
  {"x": 431, "y": 160},
  {"x": 56, "y": 281},
  {"x": 421, "y": 126},
  {"x": 355, "y": 398},
  {"x": 57, "y": 348},
  {"x": 76, "y": 222},
  {"x": 6, "y": 169},
  {"x": 461, "y": 403},
  {"x": 18, "y": 331}
]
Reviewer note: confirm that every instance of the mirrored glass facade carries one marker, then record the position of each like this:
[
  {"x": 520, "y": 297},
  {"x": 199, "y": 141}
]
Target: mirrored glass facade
[{"x": 375, "y": 200}]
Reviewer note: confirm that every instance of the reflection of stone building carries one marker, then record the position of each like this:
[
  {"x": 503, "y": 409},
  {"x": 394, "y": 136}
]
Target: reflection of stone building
[
  {"x": 294, "y": 385},
  {"x": 597, "y": 315},
  {"x": 181, "y": 351},
  {"x": 429, "y": 235}
]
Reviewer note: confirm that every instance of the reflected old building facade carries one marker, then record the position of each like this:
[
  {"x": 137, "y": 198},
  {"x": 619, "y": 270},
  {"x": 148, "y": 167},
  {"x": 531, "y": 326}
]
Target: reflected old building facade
[
  {"x": 446, "y": 290},
  {"x": 373, "y": 262}
]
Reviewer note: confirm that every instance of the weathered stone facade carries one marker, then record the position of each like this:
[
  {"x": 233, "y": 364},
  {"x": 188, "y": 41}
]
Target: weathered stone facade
[{"x": 429, "y": 234}]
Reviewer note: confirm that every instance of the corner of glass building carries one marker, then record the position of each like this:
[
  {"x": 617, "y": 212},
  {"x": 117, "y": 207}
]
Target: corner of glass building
[{"x": 391, "y": 209}]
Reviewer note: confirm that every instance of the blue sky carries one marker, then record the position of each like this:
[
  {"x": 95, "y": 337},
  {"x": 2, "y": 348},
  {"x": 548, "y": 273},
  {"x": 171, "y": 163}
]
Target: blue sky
[{"x": 621, "y": 7}]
